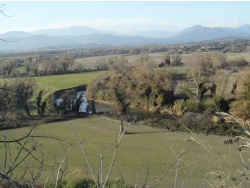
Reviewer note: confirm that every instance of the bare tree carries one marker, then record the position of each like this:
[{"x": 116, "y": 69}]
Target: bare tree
[
  {"x": 7, "y": 67},
  {"x": 176, "y": 60}
]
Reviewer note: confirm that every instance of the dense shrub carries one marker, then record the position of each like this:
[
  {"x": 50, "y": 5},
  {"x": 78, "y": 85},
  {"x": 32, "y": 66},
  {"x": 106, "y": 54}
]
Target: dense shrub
[
  {"x": 202, "y": 123},
  {"x": 194, "y": 122},
  {"x": 241, "y": 109},
  {"x": 211, "y": 104},
  {"x": 87, "y": 183},
  {"x": 167, "y": 124},
  {"x": 180, "y": 107},
  {"x": 237, "y": 62}
]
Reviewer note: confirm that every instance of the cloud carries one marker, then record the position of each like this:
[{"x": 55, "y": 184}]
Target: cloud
[
  {"x": 233, "y": 24},
  {"x": 118, "y": 25}
]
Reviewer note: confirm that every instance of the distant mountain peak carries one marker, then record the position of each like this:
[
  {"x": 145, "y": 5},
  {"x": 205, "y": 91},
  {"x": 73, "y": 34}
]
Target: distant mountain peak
[
  {"x": 15, "y": 34},
  {"x": 77, "y": 36},
  {"x": 71, "y": 31},
  {"x": 197, "y": 26}
]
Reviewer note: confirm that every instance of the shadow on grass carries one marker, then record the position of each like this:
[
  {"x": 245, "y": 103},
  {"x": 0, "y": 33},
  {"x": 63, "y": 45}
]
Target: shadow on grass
[{"x": 149, "y": 132}]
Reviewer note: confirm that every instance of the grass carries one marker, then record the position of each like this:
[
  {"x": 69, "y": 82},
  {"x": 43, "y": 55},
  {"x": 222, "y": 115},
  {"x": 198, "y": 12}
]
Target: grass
[
  {"x": 91, "y": 62},
  {"x": 231, "y": 56},
  {"x": 57, "y": 82},
  {"x": 68, "y": 80},
  {"x": 144, "y": 150}
]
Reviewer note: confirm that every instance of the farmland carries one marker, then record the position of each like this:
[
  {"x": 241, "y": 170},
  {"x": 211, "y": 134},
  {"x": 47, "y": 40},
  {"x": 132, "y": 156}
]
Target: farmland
[{"x": 91, "y": 62}]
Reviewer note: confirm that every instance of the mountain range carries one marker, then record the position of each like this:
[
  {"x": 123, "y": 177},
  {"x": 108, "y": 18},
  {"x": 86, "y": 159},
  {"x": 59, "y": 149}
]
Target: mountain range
[{"x": 81, "y": 36}]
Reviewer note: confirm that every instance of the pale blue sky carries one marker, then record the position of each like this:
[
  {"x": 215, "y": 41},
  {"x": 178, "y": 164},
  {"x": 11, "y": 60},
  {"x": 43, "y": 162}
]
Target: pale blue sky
[{"x": 124, "y": 16}]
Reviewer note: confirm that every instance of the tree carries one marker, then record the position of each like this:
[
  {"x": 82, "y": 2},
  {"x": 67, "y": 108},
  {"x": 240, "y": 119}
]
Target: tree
[
  {"x": 16, "y": 94},
  {"x": 200, "y": 72},
  {"x": 206, "y": 75},
  {"x": 119, "y": 84},
  {"x": 246, "y": 84},
  {"x": 176, "y": 60},
  {"x": 31, "y": 68},
  {"x": 68, "y": 99},
  {"x": 241, "y": 109},
  {"x": 218, "y": 60},
  {"x": 152, "y": 86},
  {"x": 40, "y": 106},
  {"x": 66, "y": 63},
  {"x": 91, "y": 92},
  {"x": 103, "y": 64},
  {"x": 220, "y": 82},
  {"x": 165, "y": 60},
  {"x": 7, "y": 67},
  {"x": 145, "y": 60}
]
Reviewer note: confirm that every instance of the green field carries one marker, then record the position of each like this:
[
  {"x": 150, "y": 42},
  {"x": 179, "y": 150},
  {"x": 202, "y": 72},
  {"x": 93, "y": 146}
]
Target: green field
[
  {"x": 144, "y": 151},
  {"x": 57, "y": 82}
]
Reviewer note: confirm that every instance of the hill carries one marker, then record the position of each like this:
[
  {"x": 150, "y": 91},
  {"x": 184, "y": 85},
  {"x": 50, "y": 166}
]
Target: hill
[{"x": 82, "y": 37}]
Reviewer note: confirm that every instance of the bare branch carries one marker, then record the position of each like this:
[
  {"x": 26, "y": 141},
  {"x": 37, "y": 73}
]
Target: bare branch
[
  {"x": 2, "y": 8},
  {"x": 188, "y": 176},
  {"x": 84, "y": 154},
  {"x": 114, "y": 156},
  {"x": 60, "y": 167},
  {"x": 20, "y": 139}
]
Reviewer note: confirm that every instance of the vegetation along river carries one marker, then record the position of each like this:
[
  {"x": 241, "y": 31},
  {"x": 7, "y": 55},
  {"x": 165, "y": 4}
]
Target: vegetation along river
[{"x": 103, "y": 107}]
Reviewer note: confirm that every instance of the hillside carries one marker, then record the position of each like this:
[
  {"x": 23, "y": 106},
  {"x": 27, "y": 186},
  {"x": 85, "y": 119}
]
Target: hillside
[{"x": 81, "y": 36}]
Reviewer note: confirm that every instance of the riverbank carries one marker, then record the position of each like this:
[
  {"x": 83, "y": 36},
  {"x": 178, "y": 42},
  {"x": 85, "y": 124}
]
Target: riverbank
[{"x": 164, "y": 119}]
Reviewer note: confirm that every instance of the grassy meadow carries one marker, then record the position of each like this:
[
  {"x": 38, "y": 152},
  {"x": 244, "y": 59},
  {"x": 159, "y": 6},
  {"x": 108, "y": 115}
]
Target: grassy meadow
[
  {"x": 145, "y": 153},
  {"x": 57, "y": 82},
  {"x": 52, "y": 83}
]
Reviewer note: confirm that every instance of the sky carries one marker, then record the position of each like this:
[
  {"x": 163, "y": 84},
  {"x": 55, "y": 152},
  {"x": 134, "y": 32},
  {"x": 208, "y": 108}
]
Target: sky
[{"x": 123, "y": 16}]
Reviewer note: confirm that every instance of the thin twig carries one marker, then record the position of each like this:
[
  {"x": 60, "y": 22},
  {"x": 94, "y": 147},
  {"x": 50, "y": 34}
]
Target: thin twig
[
  {"x": 60, "y": 167},
  {"x": 46, "y": 182},
  {"x": 191, "y": 171},
  {"x": 84, "y": 154},
  {"x": 114, "y": 156}
]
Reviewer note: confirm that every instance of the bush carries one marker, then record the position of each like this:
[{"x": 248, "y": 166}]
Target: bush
[
  {"x": 211, "y": 104},
  {"x": 237, "y": 62},
  {"x": 202, "y": 123},
  {"x": 87, "y": 183},
  {"x": 168, "y": 124},
  {"x": 182, "y": 106},
  {"x": 80, "y": 183},
  {"x": 240, "y": 108}
]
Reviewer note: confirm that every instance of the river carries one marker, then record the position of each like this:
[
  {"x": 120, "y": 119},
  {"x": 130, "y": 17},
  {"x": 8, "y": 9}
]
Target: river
[{"x": 102, "y": 107}]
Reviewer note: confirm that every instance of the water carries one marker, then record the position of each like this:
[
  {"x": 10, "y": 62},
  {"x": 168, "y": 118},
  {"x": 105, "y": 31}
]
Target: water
[
  {"x": 84, "y": 104},
  {"x": 102, "y": 107}
]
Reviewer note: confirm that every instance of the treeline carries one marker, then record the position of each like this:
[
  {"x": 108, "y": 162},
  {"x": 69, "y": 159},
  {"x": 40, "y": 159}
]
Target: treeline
[
  {"x": 141, "y": 86},
  {"x": 225, "y": 46},
  {"x": 208, "y": 87},
  {"x": 39, "y": 66}
]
